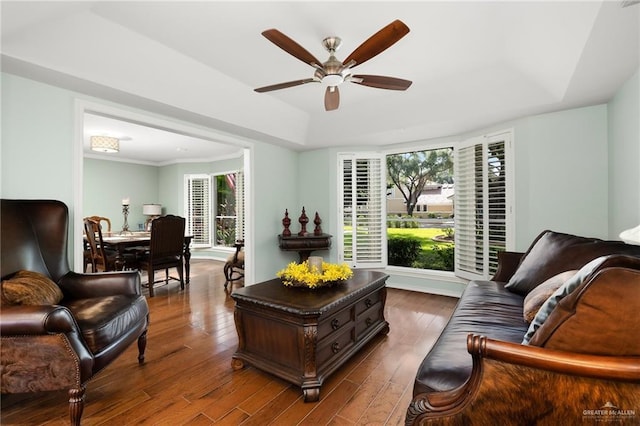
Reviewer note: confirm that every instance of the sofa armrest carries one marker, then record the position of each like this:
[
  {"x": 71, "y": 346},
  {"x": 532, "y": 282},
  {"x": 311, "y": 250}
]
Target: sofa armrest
[
  {"x": 532, "y": 385},
  {"x": 82, "y": 286},
  {"x": 508, "y": 262}
]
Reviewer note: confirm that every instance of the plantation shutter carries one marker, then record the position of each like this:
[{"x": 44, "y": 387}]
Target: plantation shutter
[
  {"x": 363, "y": 210},
  {"x": 198, "y": 209},
  {"x": 482, "y": 211},
  {"x": 240, "y": 205}
]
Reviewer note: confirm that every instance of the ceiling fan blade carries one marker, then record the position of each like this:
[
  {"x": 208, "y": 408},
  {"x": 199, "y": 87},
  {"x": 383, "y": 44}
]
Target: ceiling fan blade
[
  {"x": 283, "y": 85},
  {"x": 378, "y": 42},
  {"x": 331, "y": 98},
  {"x": 290, "y": 46},
  {"x": 381, "y": 82}
]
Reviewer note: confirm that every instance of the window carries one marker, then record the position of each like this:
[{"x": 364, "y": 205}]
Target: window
[
  {"x": 419, "y": 231},
  {"x": 197, "y": 209},
  {"x": 362, "y": 190},
  {"x": 215, "y": 202},
  {"x": 482, "y": 200},
  {"x": 482, "y": 220}
]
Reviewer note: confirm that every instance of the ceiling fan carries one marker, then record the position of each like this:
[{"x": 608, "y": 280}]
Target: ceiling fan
[{"x": 332, "y": 73}]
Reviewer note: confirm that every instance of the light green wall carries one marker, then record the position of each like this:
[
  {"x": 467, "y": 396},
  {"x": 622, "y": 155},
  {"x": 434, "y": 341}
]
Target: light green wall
[
  {"x": 171, "y": 179},
  {"x": 37, "y": 141},
  {"x": 317, "y": 190},
  {"x": 171, "y": 188},
  {"x": 106, "y": 183},
  {"x": 576, "y": 170},
  {"x": 624, "y": 158},
  {"x": 146, "y": 184},
  {"x": 275, "y": 188},
  {"x": 561, "y": 174},
  {"x": 561, "y": 180},
  {"x": 37, "y": 161}
]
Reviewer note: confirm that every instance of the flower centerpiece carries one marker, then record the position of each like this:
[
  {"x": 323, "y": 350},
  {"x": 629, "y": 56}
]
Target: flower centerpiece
[{"x": 303, "y": 275}]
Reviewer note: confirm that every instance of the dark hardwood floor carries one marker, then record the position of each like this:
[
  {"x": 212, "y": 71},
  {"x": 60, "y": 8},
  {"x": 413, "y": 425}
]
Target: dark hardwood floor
[{"x": 188, "y": 380}]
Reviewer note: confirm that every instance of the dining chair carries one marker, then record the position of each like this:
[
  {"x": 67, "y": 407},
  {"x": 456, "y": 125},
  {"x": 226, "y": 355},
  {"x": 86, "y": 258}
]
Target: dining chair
[
  {"x": 98, "y": 256},
  {"x": 234, "y": 266},
  {"x": 101, "y": 219},
  {"x": 87, "y": 250},
  {"x": 166, "y": 249}
]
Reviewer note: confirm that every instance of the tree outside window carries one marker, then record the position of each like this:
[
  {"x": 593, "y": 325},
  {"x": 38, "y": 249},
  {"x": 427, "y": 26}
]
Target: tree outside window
[
  {"x": 225, "y": 209},
  {"x": 420, "y": 209}
]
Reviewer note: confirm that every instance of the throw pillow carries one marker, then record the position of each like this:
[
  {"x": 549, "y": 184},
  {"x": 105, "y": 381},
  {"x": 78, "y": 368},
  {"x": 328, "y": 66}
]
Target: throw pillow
[
  {"x": 30, "y": 288},
  {"x": 536, "y": 298},
  {"x": 554, "y": 252},
  {"x": 582, "y": 276}
]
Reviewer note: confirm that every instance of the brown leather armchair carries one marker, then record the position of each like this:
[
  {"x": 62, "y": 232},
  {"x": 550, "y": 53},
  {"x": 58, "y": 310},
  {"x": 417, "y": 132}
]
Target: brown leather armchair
[{"x": 61, "y": 345}]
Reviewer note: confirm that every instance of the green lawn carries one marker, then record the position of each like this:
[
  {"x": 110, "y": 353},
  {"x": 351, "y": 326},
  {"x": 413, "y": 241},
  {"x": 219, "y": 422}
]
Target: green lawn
[
  {"x": 433, "y": 254},
  {"x": 426, "y": 235}
]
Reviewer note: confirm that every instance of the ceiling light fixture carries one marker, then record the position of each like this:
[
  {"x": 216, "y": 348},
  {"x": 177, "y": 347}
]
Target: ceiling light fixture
[{"x": 105, "y": 144}]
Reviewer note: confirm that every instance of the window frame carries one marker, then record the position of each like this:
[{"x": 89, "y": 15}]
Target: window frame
[
  {"x": 487, "y": 262},
  {"x": 507, "y": 134},
  {"x": 211, "y": 220},
  {"x": 196, "y": 242},
  {"x": 366, "y": 259}
]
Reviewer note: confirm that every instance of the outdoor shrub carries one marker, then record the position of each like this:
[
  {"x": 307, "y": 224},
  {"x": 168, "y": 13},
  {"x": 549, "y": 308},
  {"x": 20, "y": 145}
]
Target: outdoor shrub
[
  {"x": 403, "y": 251},
  {"x": 445, "y": 254}
]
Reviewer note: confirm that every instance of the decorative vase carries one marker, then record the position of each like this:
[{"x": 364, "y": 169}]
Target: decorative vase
[
  {"x": 303, "y": 223},
  {"x": 286, "y": 222},
  {"x": 317, "y": 221}
]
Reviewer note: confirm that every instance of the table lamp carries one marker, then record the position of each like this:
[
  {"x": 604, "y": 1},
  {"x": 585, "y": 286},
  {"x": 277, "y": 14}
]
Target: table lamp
[{"x": 153, "y": 211}]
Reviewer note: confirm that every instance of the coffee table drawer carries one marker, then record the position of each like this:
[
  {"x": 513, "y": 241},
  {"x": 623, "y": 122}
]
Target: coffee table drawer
[
  {"x": 368, "y": 302},
  {"x": 369, "y": 318},
  {"x": 335, "y": 323},
  {"x": 335, "y": 345}
]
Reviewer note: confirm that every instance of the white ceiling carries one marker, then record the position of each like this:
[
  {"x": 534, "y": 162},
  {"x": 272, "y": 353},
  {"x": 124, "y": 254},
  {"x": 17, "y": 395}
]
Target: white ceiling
[
  {"x": 472, "y": 63},
  {"x": 151, "y": 145}
]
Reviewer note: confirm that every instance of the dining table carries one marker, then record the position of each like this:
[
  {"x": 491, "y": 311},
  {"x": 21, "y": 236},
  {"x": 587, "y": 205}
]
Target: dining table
[{"x": 119, "y": 242}]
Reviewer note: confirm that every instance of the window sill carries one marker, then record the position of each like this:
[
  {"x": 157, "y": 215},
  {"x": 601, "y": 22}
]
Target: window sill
[
  {"x": 425, "y": 274},
  {"x": 443, "y": 283}
]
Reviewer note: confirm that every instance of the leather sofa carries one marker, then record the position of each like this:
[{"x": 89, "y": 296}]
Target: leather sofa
[
  {"x": 576, "y": 362},
  {"x": 59, "y": 328}
]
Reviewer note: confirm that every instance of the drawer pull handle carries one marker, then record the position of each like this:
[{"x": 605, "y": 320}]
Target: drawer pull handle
[
  {"x": 368, "y": 303},
  {"x": 335, "y": 324},
  {"x": 335, "y": 347},
  {"x": 368, "y": 321}
]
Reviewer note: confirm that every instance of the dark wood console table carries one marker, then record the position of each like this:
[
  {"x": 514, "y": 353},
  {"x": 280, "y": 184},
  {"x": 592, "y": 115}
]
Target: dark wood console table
[
  {"x": 303, "y": 335},
  {"x": 304, "y": 244}
]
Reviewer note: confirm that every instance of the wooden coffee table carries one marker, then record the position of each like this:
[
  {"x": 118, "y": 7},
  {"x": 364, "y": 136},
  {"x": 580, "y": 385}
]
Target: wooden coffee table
[{"x": 303, "y": 335}]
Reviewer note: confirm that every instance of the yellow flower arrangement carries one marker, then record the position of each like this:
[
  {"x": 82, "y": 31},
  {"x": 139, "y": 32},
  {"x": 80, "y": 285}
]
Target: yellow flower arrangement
[{"x": 301, "y": 275}]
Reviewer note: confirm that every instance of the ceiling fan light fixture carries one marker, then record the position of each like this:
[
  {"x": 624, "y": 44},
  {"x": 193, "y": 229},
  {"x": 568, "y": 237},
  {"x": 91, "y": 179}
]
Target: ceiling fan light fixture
[
  {"x": 105, "y": 144},
  {"x": 332, "y": 80},
  {"x": 334, "y": 72}
]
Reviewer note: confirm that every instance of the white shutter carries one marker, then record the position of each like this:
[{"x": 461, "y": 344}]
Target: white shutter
[
  {"x": 482, "y": 211},
  {"x": 239, "y": 205},
  {"x": 362, "y": 191},
  {"x": 198, "y": 209}
]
